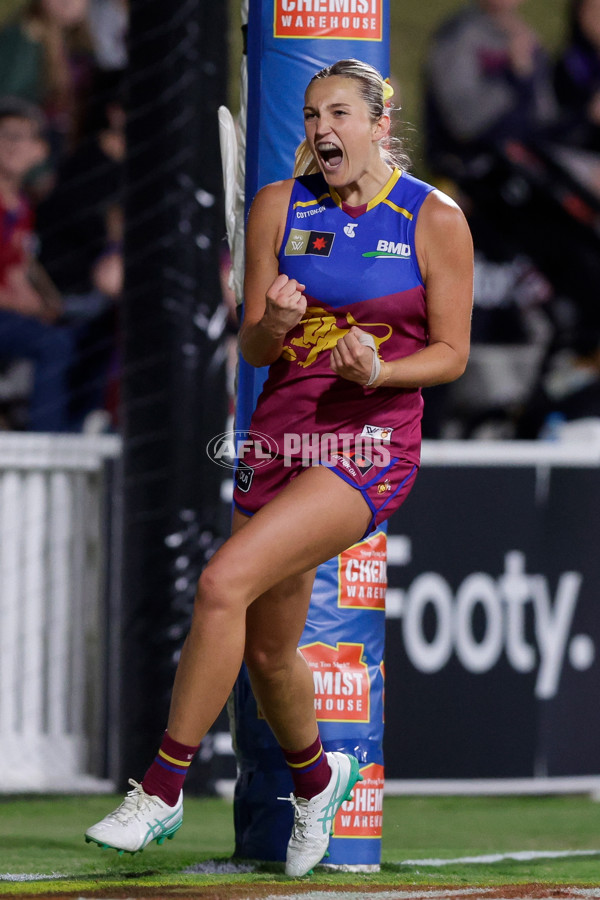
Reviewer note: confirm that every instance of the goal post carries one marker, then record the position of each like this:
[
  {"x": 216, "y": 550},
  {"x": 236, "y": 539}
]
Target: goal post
[{"x": 288, "y": 41}]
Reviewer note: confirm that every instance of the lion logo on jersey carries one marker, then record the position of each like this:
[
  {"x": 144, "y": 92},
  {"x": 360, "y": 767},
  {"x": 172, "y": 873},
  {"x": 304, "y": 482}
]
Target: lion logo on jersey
[{"x": 321, "y": 332}]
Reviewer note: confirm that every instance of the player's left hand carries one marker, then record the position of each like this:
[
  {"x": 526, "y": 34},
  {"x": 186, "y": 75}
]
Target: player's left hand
[{"x": 351, "y": 359}]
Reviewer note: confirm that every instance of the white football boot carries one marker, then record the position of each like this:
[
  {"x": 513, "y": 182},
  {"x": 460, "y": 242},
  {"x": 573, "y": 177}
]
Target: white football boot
[
  {"x": 313, "y": 819},
  {"x": 140, "y": 819}
]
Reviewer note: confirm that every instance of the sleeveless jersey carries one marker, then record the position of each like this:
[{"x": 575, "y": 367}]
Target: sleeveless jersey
[{"x": 359, "y": 266}]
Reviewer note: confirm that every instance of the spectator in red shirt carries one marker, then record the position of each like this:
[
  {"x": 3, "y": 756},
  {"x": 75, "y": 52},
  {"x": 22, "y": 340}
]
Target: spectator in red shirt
[{"x": 29, "y": 303}]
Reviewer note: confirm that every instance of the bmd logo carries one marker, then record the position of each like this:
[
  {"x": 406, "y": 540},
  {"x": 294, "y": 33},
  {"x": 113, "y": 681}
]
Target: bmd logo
[
  {"x": 333, "y": 19},
  {"x": 390, "y": 250}
]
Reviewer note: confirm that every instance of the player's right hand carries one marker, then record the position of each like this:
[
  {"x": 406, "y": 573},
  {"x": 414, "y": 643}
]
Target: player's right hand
[{"x": 285, "y": 304}]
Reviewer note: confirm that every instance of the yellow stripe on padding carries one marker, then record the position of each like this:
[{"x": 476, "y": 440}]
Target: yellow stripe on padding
[
  {"x": 307, "y": 762},
  {"x": 177, "y": 762}
]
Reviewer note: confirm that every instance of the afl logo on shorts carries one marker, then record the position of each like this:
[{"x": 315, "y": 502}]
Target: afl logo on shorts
[{"x": 243, "y": 477}]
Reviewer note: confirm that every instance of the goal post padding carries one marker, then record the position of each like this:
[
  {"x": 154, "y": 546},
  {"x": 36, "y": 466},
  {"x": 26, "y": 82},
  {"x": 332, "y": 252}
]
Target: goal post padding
[{"x": 288, "y": 41}]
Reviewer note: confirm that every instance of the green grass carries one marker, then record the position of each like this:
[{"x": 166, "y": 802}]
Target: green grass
[{"x": 44, "y": 835}]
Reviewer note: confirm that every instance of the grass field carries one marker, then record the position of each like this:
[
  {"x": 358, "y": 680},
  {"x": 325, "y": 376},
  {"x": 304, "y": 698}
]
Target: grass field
[{"x": 42, "y": 837}]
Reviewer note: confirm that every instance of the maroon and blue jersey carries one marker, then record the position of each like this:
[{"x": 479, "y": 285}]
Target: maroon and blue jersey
[{"x": 360, "y": 268}]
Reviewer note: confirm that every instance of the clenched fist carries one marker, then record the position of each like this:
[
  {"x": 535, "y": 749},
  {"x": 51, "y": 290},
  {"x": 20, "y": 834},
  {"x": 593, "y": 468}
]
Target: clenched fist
[
  {"x": 355, "y": 357},
  {"x": 285, "y": 304}
]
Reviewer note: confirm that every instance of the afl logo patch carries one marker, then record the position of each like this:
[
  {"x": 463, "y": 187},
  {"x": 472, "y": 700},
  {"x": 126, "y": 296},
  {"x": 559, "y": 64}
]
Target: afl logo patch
[{"x": 312, "y": 243}]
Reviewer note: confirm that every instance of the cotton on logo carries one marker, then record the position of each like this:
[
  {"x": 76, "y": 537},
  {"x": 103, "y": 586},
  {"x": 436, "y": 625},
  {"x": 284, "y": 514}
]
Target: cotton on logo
[{"x": 342, "y": 684}]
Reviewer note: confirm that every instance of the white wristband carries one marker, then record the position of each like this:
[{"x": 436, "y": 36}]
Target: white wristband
[{"x": 369, "y": 341}]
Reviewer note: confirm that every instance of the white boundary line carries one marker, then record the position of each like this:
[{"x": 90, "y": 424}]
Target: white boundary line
[
  {"x": 518, "y": 855},
  {"x": 31, "y": 876},
  {"x": 397, "y": 894},
  {"x": 402, "y": 893}
]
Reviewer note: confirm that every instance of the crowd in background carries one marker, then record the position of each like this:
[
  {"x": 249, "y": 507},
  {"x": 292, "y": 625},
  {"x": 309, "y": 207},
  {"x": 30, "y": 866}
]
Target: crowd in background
[
  {"x": 511, "y": 131},
  {"x": 514, "y": 134},
  {"x": 62, "y": 152}
]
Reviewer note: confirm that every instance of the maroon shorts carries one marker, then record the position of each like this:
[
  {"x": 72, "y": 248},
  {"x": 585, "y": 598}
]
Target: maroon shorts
[{"x": 259, "y": 479}]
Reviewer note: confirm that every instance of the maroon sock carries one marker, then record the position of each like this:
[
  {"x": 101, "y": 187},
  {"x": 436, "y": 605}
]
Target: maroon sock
[
  {"x": 167, "y": 773},
  {"x": 309, "y": 769}
]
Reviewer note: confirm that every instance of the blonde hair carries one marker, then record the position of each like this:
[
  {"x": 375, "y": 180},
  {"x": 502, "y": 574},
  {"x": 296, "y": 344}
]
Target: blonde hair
[{"x": 375, "y": 92}]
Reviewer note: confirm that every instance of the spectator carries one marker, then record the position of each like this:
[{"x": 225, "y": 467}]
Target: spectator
[
  {"x": 488, "y": 80},
  {"x": 46, "y": 58},
  {"x": 569, "y": 389},
  {"x": 29, "y": 303},
  {"x": 577, "y": 75},
  {"x": 109, "y": 21},
  {"x": 80, "y": 221},
  {"x": 81, "y": 231},
  {"x": 494, "y": 129},
  {"x": 488, "y": 85}
]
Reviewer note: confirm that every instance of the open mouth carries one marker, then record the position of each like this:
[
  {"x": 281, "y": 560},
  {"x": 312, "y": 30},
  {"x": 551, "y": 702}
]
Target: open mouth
[{"x": 331, "y": 155}]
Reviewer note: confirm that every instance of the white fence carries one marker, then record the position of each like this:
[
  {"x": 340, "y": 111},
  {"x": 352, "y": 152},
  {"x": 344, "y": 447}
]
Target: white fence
[
  {"x": 53, "y": 557},
  {"x": 55, "y": 710}
]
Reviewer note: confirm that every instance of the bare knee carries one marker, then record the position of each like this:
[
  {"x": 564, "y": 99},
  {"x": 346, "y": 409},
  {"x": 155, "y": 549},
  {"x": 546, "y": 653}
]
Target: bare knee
[
  {"x": 218, "y": 592},
  {"x": 268, "y": 662}
]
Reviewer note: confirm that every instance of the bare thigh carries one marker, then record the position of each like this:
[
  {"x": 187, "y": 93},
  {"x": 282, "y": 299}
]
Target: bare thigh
[
  {"x": 275, "y": 620},
  {"x": 314, "y": 518}
]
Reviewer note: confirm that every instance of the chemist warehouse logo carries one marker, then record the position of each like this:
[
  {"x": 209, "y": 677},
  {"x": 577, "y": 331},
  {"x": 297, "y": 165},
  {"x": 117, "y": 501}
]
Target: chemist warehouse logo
[
  {"x": 341, "y": 679},
  {"x": 362, "y": 816},
  {"x": 362, "y": 574},
  {"x": 332, "y": 19}
]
